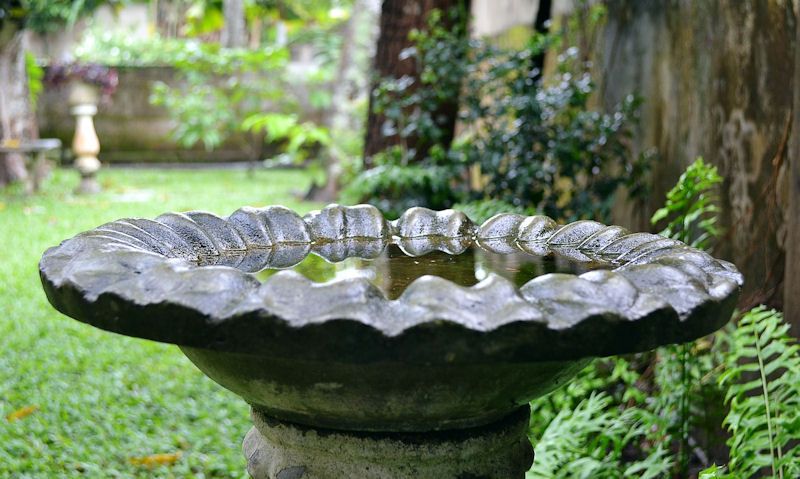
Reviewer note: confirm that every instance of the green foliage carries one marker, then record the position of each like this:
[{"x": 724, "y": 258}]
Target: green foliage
[
  {"x": 678, "y": 395},
  {"x": 685, "y": 373},
  {"x": 590, "y": 441},
  {"x": 35, "y": 75},
  {"x": 393, "y": 186},
  {"x": 688, "y": 400},
  {"x": 47, "y": 15},
  {"x": 481, "y": 210},
  {"x": 120, "y": 48},
  {"x": 691, "y": 206},
  {"x": 219, "y": 91},
  {"x": 300, "y": 138},
  {"x": 537, "y": 145},
  {"x": 713, "y": 472},
  {"x": 413, "y": 110},
  {"x": 616, "y": 377},
  {"x": 762, "y": 378}
]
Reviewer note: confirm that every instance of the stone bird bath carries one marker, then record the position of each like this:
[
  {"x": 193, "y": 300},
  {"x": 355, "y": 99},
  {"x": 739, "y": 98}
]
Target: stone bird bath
[{"x": 376, "y": 349}]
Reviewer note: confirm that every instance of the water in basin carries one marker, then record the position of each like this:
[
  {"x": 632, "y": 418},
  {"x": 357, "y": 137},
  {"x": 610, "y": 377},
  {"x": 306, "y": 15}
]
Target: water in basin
[{"x": 393, "y": 270}]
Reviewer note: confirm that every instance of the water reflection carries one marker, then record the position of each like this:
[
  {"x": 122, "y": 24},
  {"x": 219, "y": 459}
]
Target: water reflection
[{"x": 392, "y": 269}]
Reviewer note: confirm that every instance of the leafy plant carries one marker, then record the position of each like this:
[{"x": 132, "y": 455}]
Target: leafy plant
[
  {"x": 481, "y": 210},
  {"x": 538, "y": 144},
  {"x": 713, "y": 472},
  {"x": 685, "y": 373},
  {"x": 219, "y": 91},
  {"x": 679, "y": 394},
  {"x": 47, "y": 15},
  {"x": 413, "y": 110},
  {"x": 121, "y": 48},
  {"x": 691, "y": 206},
  {"x": 35, "y": 74},
  {"x": 590, "y": 441},
  {"x": 762, "y": 378},
  {"x": 393, "y": 186},
  {"x": 532, "y": 145},
  {"x": 300, "y": 138}
]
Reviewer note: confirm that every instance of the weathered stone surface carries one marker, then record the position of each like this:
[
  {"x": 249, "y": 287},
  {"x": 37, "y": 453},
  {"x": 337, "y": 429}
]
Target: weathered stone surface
[
  {"x": 340, "y": 354},
  {"x": 536, "y": 228},
  {"x": 251, "y": 225},
  {"x": 275, "y": 236},
  {"x": 418, "y": 222},
  {"x": 382, "y": 394},
  {"x": 336, "y": 222},
  {"x": 280, "y": 450},
  {"x": 285, "y": 226},
  {"x": 575, "y": 233},
  {"x": 503, "y": 225}
]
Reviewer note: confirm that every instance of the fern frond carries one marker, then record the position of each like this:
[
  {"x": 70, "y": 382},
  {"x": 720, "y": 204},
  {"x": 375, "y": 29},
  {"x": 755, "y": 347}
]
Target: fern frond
[
  {"x": 691, "y": 206},
  {"x": 715, "y": 472},
  {"x": 588, "y": 442},
  {"x": 763, "y": 381}
]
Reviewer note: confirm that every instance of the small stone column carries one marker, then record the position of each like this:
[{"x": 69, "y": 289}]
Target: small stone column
[
  {"x": 85, "y": 145},
  {"x": 280, "y": 450}
]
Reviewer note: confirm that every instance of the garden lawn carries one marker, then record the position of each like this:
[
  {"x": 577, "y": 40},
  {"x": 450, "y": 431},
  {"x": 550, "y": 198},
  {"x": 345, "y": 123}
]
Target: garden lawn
[{"x": 76, "y": 401}]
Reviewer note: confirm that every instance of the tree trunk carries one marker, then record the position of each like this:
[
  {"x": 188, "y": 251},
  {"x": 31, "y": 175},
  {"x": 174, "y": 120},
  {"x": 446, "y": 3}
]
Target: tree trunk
[
  {"x": 15, "y": 114},
  {"x": 234, "y": 31},
  {"x": 397, "y": 19},
  {"x": 791, "y": 281}
]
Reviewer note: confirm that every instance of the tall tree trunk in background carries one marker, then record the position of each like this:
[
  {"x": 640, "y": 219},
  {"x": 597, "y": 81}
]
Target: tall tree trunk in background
[
  {"x": 15, "y": 113},
  {"x": 234, "y": 31},
  {"x": 791, "y": 280},
  {"x": 541, "y": 25},
  {"x": 398, "y": 18}
]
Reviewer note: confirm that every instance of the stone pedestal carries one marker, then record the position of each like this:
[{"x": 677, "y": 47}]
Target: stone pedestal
[
  {"x": 280, "y": 450},
  {"x": 86, "y": 146}
]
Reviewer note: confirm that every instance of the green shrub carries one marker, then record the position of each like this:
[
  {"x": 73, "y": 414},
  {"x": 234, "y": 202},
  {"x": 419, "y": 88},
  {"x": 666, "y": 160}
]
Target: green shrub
[
  {"x": 691, "y": 206},
  {"x": 762, "y": 378},
  {"x": 394, "y": 187},
  {"x": 535, "y": 146},
  {"x": 667, "y": 409},
  {"x": 481, "y": 210},
  {"x": 590, "y": 441}
]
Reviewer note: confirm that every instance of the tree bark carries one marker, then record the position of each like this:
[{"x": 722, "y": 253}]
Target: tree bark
[
  {"x": 234, "y": 31},
  {"x": 791, "y": 279},
  {"x": 397, "y": 19},
  {"x": 15, "y": 115}
]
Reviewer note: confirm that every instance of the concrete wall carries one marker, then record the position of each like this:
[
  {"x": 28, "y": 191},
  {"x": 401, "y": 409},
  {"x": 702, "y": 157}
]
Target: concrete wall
[
  {"x": 717, "y": 81},
  {"x": 129, "y": 127}
]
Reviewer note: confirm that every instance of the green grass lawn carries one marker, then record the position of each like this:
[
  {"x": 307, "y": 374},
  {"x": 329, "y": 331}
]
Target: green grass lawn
[{"x": 100, "y": 400}]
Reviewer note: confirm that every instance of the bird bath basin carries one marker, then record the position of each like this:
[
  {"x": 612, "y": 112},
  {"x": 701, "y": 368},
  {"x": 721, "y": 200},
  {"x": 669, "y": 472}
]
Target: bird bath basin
[{"x": 368, "y": 348}]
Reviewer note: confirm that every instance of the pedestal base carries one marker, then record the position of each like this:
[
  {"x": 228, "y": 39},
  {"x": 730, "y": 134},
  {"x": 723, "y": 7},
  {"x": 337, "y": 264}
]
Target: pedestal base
[
  {"x": 87, "y": 166},
  {"x": 88, "y": 186},
  {"x": 280, "y": 450}
]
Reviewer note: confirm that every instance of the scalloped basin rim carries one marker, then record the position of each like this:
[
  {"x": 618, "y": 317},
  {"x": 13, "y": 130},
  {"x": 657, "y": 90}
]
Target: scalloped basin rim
[{"x": 136, "y": 277}]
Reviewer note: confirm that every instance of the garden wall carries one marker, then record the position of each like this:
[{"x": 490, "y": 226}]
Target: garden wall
[
  {"x": 717, "y": 81},
  {"x": 131, "y": 130}
]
